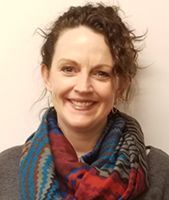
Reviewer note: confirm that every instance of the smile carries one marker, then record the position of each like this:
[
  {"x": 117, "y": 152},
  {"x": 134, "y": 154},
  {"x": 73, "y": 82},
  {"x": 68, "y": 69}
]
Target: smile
[{"x": 82, "y": 104}]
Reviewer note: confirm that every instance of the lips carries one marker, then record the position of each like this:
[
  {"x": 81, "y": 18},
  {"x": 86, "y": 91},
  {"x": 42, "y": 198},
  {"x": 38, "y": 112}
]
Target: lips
[{"x": 82, "y": 104}]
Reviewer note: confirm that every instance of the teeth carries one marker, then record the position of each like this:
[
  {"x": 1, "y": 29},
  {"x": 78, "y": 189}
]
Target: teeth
[{"x": 82, "y": 104}]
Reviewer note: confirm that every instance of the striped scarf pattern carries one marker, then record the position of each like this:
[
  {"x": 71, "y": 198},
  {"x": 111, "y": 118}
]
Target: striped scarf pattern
[{"x": 116, "y": 169}]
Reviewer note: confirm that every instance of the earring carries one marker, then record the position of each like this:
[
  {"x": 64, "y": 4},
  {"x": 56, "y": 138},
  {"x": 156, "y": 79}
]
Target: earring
[{"x": 114, "y": 109}]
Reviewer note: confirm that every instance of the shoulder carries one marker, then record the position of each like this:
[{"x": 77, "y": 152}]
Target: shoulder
[
  {"x": 158, "y": 161},
  {"x": 9, "y": 173},
  {"x": 12, "y": 152},
  {"x": 156, "y": 153},
  {"x": 10, "y": 156},
  {"x": 158, "y": 170},
  {"x": 9, "y": 159}
]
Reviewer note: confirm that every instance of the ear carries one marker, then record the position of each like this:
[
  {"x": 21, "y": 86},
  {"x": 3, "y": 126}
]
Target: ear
[
  {"x": 122, "y": 85},
  {"x": 46, "y": 77}
]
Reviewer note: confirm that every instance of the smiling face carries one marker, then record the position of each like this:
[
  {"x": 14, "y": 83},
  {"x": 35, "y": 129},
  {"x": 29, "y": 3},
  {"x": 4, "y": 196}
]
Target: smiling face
[{"x": 81, "y": 79}]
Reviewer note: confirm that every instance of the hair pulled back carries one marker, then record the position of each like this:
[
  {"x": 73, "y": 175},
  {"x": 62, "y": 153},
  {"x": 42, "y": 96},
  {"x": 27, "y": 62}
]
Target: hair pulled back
[{"x": 106, "y": 21}]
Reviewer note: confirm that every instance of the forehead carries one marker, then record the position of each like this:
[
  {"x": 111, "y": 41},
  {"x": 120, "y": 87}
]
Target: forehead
[{"x": 82, "y": 43}]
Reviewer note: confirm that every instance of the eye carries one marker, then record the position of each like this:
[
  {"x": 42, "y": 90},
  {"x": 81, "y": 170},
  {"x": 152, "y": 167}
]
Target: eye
[
  {"x": 102, "y": 74},
  {"x": 67, "y": 69}
]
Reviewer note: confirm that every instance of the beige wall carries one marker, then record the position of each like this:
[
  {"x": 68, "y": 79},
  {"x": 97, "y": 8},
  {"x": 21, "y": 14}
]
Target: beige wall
[{"x": 20, "y": 82}]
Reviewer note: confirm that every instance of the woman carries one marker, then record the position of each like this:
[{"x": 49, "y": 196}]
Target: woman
[{"x": 84, "y": 149}]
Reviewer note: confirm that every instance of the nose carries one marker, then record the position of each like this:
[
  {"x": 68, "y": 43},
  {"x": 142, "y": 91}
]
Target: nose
[{"x": 83, "y": 83}]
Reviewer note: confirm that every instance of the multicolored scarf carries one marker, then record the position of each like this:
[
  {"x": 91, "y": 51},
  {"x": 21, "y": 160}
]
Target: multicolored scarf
[{"x": 116, "y": 169}]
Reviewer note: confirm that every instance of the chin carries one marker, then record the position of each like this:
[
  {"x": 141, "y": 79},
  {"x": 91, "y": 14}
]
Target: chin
[{"x": 80, "y": 124}]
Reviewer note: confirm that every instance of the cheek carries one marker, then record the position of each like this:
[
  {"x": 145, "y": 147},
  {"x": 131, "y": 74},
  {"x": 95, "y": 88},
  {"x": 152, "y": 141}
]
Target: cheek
[
  {"x": 55, "y": 90},
  {"x": 108, "y": 96},
  {"x": 107, "y": 91},
  {"x": 60, "y": 89}
]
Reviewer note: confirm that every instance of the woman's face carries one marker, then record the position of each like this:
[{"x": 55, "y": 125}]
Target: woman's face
[{"x": 80, "y": 80}]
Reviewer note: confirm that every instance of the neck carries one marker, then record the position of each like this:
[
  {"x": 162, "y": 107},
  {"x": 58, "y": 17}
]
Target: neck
[{"x": 83, "y": 140}]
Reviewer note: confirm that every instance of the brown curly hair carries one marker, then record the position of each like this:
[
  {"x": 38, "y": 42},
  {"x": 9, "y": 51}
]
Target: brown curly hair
[{"x": 101, "y": 19}]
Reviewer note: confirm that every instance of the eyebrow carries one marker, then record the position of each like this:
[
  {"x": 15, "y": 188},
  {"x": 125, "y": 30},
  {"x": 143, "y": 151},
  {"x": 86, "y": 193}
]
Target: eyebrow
[
  {"x": 74, "y": 62},
  {"x": 67, "y": 60}
]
